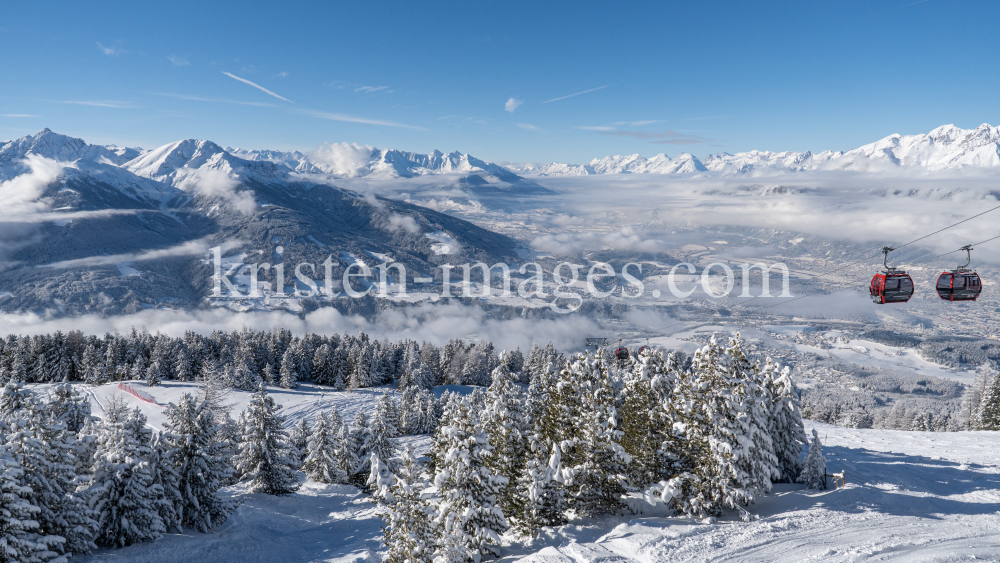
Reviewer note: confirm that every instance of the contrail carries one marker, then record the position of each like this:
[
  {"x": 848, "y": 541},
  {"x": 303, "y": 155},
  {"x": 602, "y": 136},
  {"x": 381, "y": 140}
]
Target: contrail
[
  {"x": 257, "y": 86},
  {"x": 577, "y": 94}
]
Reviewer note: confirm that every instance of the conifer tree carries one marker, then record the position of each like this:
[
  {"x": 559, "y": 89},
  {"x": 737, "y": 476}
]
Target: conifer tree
[
  {"x": 468, "y": 514},
  {"x": 193, "y": 445},
  {"x": 506, "y": 424},
  {"x": 542, "y": 489},
  {"x": 289, "y": 370},
  {"x": 266, "y": 458},
  {"x": 122, "y": 492},
  {"x": 299, "y": 438},
  {"x": 69, "y": 407},
  {"x": 388, "y": 411},
  {"x": 19, "y": 541},
  {"x": 787, "y": 433},
  {"x": 408, "y": 532},
  {"x": 814, "y": 470},
  {"x": 321, "y": 461}
]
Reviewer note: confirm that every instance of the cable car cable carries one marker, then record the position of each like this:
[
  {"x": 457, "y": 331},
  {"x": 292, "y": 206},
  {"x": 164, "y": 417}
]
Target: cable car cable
[{"x": 855, "y": 263}]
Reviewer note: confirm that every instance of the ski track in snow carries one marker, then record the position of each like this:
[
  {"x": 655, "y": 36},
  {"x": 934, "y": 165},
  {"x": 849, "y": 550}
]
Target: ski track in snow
[{"x": 910, "y": 496}]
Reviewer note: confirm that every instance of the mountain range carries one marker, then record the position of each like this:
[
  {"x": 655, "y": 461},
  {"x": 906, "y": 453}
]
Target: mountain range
[
  {"x": 946, "y": 148},
  {"x": 87, "y": 229}
]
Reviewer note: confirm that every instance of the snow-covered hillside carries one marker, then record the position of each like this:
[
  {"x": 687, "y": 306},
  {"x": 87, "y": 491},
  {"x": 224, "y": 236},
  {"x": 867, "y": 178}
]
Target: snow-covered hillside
[
  {"x": 946, "y": 148},
  {"x": 910, "y": 496}
]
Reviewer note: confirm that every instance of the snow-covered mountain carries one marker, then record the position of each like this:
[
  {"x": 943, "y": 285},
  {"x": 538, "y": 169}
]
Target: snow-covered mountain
[
  {"x": 946, "y": 148},
  {"x": 358, "y": 161},
  {"x": 82, "y": 230}
]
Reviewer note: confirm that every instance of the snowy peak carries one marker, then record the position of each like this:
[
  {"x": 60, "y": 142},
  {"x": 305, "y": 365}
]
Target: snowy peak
[
  {"x": 62, "y": 148},
  {"x": 350, "y": 160},
  {"x": 173, "y": 162},
  {"x": 945, "y": 148}
]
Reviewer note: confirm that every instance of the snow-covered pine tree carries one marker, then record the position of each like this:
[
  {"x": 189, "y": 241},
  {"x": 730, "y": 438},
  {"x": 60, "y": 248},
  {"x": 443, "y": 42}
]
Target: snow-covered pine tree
[
  {"x": 15, "y": 398},
  {"x": 299, "y": 438},
  {"x": 408, "y": 532},
  {"x": 787, "y": 433},
  {"x": 755, "y": 450},
  {"x": 122, "y": 492},
  {"x": 542, "y": 489},
  {"x": 321, "y": 461},
  {"x": 506, "y": 424},
  {"x": 323, "y": 371},
  {"x": 289, "y": 370},
  {"x": 643, "y": 420},
  {"x": 192, "y": 443},
  {"x": 361, "y": 437},
  {"x": 69, "y": 407},
  {"x": 165, "y": 475},
  {"x": 468, "y": 514},
  {"x": 346, "y": 452},
  {"x": 814, "y": 471},
  {"x": 265, "y": 457},
  {"x": 388, "y": 410},
  {"x": 268, "y": 374},
  {"x": 19, "y": 541},
  {"x": 986, "y": 416}
]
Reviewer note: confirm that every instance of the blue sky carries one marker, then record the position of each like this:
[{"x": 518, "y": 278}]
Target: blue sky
[{"x": 656, "y": 77}]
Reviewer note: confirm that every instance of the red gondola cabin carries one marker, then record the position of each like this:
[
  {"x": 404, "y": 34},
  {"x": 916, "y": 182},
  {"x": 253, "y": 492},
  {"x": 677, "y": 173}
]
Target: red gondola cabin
[
  {"x": 890, "y": 285},
  {"x": 959, "y": 285},
  {"x": 893, "y": 286}
]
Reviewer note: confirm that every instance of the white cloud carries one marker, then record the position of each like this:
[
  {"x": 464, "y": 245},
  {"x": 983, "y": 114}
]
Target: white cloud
[
  {"x": 343, "y": 158},
  {"x": 567, "y": 244},
  {"x": 190, "y": 248},
  {"x": 403, "y": 222},
  {"x": 257, "y": 86},
  {"x": 597, "y": 128},
  {"x": 178, "y": 61},
  {"x": 282, "y": 75},
  {"x": 368, "y": 89},
  {"x": 111, "y": 51},
  {"x": 527, "y": 126},
  {"x": 21, "y": 195},
  {"x": 512, "y": 105},
  {"x": 434, "y": 323},
  {"x": 218, "y": 184},
  {"x": 18, "y": 115}
]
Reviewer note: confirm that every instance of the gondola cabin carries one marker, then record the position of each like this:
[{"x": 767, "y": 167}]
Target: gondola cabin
[
  {"x": 892, "y": 286},
  {"x": 621, "y": 354},
  {"x": 959, "y": 285},
  {"x": 644, "y": 350}
]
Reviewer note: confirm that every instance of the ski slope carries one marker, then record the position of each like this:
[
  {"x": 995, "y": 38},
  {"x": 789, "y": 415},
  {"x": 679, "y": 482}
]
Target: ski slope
[{"x": 910, "y": 496}]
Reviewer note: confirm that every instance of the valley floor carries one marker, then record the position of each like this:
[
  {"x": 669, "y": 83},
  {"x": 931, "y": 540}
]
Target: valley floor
[{"x": 910, "y": 496}]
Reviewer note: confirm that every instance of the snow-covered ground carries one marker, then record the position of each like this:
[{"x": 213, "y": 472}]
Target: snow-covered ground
[{"x": 910, "y": 496}]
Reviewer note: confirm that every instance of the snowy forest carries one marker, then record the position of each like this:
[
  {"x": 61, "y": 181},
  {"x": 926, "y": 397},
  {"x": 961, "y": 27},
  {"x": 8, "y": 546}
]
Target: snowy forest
[{"x": 540, "y": 439}]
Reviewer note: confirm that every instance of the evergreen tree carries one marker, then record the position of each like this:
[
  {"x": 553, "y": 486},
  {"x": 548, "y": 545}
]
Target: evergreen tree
[
  {"x": 814, "y": 470},
  {"x": 388, "y": 411},
  {"x": 542, "y": 488},
  {"x": 408, "y": 532},
  {"x": 299, "y": 438},
  {"x": 787, "y": 433},
  {"x": 265, "y": 457},
  {"x": 321, "y": 460},
  {"x": 126, "y": 501},
  {"x": 19, "y": 541},
  {"x": 198, "y": 453},
  {"x": 289, "y": 370},
  {"x": 506, "y": 423},
  {"x": 468, "y": 514},
  {"x": 69, "y": 407}
]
